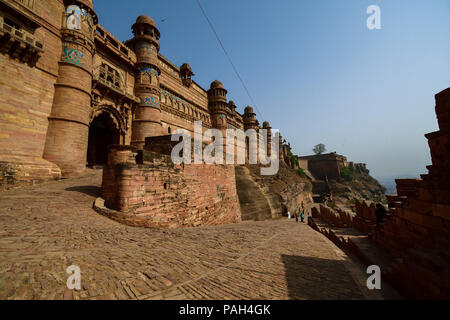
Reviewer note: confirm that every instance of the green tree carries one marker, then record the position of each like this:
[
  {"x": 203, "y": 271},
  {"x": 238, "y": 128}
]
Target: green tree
[
  {"x": 347, "y": 174},
  {"x": 319, "y": 149},
  {"x": 294, "y": 160},
  {"x": 301, "y": 173}
]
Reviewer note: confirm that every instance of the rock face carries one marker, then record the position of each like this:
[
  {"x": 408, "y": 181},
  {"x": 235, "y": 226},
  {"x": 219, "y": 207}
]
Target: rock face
[
  {"x": 270, "y": 197},
  {"x": 363, "y": 187},
  {"x": 253, "y": 200}
]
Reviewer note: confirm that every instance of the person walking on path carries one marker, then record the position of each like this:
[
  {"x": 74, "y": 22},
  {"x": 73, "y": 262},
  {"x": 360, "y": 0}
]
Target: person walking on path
[
  {"x": 302, "y": 214},
  {"x": 289, "y": 215},
  {"x": 296, "y": 216}
]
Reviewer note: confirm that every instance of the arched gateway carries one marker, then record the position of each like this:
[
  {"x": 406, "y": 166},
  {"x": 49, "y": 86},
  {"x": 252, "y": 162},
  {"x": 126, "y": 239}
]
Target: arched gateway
[{"x": 107, "y": 127}]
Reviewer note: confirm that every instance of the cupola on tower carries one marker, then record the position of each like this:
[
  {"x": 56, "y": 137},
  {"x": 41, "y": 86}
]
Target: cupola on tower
[{"x": 147, "y": 118}]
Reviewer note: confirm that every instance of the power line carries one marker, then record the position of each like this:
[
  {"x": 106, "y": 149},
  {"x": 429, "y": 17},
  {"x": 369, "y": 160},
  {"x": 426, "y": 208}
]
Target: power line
[{"x": 229, "y": 58}]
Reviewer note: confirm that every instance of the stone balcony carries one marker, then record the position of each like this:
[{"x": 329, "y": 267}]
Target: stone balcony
[
  {"x": 110, "y": 82},
  {"x": 19, "y": 44}
]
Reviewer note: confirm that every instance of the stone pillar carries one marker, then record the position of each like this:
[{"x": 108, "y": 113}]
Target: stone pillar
[
  {"x": 147, "y": 117},
  {"x": 68, "y": 129}
]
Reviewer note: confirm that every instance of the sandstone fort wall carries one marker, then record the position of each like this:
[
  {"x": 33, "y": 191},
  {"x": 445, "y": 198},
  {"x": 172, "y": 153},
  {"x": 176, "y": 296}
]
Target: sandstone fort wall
[{"x": 157, "y": 193}]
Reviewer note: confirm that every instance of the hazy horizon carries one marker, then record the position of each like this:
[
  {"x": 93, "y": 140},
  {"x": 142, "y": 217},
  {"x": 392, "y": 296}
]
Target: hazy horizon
[{"x": 314, "y": 69}]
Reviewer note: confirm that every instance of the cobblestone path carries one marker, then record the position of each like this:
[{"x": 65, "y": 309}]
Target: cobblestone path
[{"x": 46, "y": 228}]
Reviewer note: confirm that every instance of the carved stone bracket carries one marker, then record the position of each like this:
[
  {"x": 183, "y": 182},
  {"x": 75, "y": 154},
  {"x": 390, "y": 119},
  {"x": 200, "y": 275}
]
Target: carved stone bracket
[{"x": 19, "y": 44}]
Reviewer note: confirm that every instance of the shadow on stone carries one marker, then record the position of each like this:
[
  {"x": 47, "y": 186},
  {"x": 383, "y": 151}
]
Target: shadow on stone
[
  {"x": 94, "y": 191},
  {"x": 316, "y": 278}
]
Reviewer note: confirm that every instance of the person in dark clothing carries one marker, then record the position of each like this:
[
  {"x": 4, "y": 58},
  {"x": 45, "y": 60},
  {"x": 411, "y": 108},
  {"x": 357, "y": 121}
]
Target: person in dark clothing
[
  {"x": 380, "y": 213},
  {"x": 296, "y": 216}
]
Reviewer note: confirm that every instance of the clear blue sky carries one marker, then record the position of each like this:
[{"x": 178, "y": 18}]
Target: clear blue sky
[{"x": 314, "y": 69}]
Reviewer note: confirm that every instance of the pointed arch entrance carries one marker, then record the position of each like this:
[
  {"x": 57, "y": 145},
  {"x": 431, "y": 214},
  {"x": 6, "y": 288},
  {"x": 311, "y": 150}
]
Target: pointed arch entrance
[{"x": 106, "y": 128}]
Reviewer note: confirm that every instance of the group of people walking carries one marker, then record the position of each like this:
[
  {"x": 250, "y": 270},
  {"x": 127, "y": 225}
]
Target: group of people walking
[{"x": 298, "y": 213}]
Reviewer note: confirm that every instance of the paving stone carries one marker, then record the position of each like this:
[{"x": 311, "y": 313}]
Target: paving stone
[{"x": 277, "y": 259}]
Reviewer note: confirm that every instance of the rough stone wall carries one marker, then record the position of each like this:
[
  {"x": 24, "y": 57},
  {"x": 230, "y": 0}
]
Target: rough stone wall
[
  {"x": 339, "y": 218},
  {"x": 26, "y": 97},
  {"x": 365, "y": 219},
  {"x": 159, "y": 194},
  {"x": 325, "y": 168},
  {"x": 419, "y": 228},
  {"x": 416, "y": 233},
  {"x": 325, "y": 165}
]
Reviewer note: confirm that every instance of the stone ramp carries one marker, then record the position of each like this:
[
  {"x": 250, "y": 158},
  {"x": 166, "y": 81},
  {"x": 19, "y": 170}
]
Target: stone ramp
[
  {"x": 254, "y": 204},
  {"x": 46, "y": 228},
  {"x": 359, "y": 244}
]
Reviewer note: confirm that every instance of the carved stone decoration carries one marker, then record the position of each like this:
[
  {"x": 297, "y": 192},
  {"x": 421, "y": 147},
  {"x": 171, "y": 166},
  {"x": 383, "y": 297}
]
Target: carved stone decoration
[
  {"x": 74, "y": 19},
  {"x": 19, "y": 44},
  {"x": 186, "y": 74},
  {"x": 119, "y": 121}
]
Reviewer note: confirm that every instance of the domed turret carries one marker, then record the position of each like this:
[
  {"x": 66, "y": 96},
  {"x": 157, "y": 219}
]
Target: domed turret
[
  {"x": 232, "y": 105},
  {"x": 186, "y": 74},
  {"x": 147, "y": 117},
  {"x": 248, "y": 110},
  {"x": 218, "y": 106},
  {"x": 144, "y": 29},
  {"x": 216, "y": 84},
  {"x": 143, "y": 19},
  {"x": 250, "y": 121}
]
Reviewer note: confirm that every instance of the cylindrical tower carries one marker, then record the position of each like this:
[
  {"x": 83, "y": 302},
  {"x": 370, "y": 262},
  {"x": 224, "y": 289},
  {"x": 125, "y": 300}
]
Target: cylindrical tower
[
  {"x": 266, "y": 125},
  {"x": 249, "y": 118},
  {"x": 147, "y": 117},
  {"x": 250, "y": 122},
  {"x": 217, "y": 102},
  {"x": 68, "y": 129}
]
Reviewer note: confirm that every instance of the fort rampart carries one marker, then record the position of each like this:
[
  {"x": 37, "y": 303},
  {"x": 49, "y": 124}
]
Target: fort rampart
[{"x": 154, "y": 192}]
